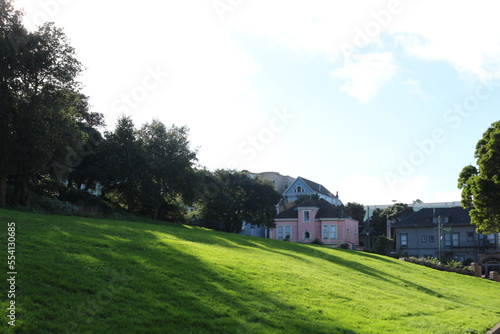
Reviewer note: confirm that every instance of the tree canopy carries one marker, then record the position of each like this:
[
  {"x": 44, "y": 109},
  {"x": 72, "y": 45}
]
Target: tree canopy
[
  {"x": 396, "y": 210},
  {"x": 481, "y": 184},
  {"x": 356, "y": 211},
  {"x": 42, "y": 112},
  {"x": 235, "y": 197}
]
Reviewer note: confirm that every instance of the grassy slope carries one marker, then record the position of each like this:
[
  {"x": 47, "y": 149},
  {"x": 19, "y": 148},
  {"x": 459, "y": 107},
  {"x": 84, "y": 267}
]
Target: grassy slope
[{"x": 83, "y": 275}]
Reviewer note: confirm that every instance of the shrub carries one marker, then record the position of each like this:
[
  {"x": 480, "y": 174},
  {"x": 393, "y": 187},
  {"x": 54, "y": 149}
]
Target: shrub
[
  {"x": 344, "y": 246},
  {"x": 55, "y": 206},
  {"x": 88, "y": 204},
  {"x": 383, "y": 245},
  {"x": 454, "y": 264},
  {"x": 451, "y": 266},
  {"x": 468, "y": 262},
  {"x": 317, "y": 241}
]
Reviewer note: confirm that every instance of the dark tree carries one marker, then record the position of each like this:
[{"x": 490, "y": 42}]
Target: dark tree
[
  {"x": 356, "y": 211},
  {"x": 11, "y": 32},
  {"x": 170, "y": 165},
  {"x": 378, "y": 222},
  {"x": 481, "y": 185},
  {"x": 236, "y": 198},
  {"x": 121, "y": 165},
  {"x": 396, "y": 210},
  {"x": 39, "y": 110}
]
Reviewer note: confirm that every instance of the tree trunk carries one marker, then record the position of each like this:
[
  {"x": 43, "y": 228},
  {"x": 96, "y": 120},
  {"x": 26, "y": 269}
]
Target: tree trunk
[
  {"x": 156, "y": 210},
  {"x": 3, "y": 189},
  {"x": 24, "y": 191}
]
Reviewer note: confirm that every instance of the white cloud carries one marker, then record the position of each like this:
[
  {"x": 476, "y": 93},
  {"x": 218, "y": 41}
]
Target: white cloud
[
  {"x": 366, "y": 74},
  {"x": 463, "y": 34},
  {"x": 414, "y": 87}
]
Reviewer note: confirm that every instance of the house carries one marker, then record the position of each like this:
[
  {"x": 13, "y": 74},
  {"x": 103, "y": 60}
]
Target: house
[
  {"x": 369, "y": 235},
  {"x": 303, "y": 186},
  {"x": 313, "y": 219},
  {"x": 281, "y": 183},
  {"x": 445, "y": 233}
]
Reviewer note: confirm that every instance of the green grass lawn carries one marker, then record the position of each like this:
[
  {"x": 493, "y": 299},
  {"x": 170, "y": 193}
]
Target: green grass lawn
[{"x": 80, "y": 275}]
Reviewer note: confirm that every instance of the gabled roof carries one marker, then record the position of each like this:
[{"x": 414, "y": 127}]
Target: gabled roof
[
  {"x": 457, "y": 216},
  {"x": 326, "y": 210},
  {"x": 315, "y": 187}
]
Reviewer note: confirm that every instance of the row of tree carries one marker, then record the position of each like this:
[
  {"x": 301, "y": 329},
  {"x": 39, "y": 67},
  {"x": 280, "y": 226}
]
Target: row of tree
[{"x": 51, "y": 143}]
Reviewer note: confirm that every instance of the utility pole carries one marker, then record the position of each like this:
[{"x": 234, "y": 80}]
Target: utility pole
[{"x": 439, "y": 236}]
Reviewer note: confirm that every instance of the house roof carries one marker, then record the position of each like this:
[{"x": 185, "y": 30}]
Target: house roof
[
  {"x": 316, "y": 187},
  {"x": 457, "y": 216},
  {"x": 326, "y": 210}
]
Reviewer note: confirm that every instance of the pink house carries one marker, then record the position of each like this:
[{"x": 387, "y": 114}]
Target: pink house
[{"x": 313, "y": 219}]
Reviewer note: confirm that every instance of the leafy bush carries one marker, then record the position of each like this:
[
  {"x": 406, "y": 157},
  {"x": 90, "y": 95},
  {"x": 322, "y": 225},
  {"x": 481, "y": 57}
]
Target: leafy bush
[
  {"x": 383, "y": 245},
  {"x": 468, "y": 262},
  {"x": 454, "y": 264},
  {"x": 451, "y": 266},
  {"x": 88, "y": 204},
  {"x": 317, "y": 241},
  {"x": 344, "y": 246},
  {"x": 55, "y": 206}
]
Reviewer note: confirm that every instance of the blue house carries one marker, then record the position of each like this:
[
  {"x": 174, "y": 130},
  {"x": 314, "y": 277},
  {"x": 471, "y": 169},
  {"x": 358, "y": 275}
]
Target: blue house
[{"x": 303, "y": 186}]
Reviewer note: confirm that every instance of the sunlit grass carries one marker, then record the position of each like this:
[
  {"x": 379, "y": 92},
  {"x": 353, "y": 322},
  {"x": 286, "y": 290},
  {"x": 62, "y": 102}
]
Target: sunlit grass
[{"x": 82, "y": 275}]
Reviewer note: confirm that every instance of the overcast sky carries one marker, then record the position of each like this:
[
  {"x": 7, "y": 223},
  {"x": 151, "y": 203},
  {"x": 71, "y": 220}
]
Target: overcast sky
[{"x": 378, "y": 100}]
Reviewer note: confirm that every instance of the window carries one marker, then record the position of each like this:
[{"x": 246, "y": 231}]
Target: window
[
  {"x": 403, "y": 238},
  {"x": 330, "y": 232},
  {"x": 280, "y": 232},
  {"x": 470, "y": 236},
  {"x": 284, "y": 232},
  {"x": 306, "y": 216},
  {"x": 424, "y": 238},
  {"x": 288, "y": 232},
  {"x": 333, "y": 232},
  {"x": 447, "y": 240},
  {"x": 452, "y": 240},
  {"x": 299, "y": 189},
  {"x": 307, "y": 235},
  {"x": 431, "y": 238}
]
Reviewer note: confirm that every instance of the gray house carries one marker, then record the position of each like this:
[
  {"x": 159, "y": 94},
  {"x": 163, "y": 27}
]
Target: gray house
[
  {"x": 445, "y": 233},
  {"x": 303, "y": 186}
]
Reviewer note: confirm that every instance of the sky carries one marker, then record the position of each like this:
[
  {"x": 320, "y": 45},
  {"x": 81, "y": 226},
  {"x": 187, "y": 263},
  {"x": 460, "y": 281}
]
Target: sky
[{"x": 381, "y": 101}]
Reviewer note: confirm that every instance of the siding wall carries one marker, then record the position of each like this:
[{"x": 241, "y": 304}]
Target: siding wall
[{"x": 420, "y": 241}]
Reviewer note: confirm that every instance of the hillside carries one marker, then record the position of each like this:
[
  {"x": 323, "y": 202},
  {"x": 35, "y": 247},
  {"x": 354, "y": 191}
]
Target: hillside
[{"x": 80, "y": 275}]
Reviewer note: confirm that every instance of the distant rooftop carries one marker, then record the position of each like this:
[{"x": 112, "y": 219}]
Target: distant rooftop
[{"x": 416, "y": 206}]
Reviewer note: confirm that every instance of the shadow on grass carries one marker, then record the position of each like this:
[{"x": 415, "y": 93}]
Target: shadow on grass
[
  {"x": 116, "y": 279},
  {"x": 304, "y": 252},
  {"x": 371, "y": 271}
]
